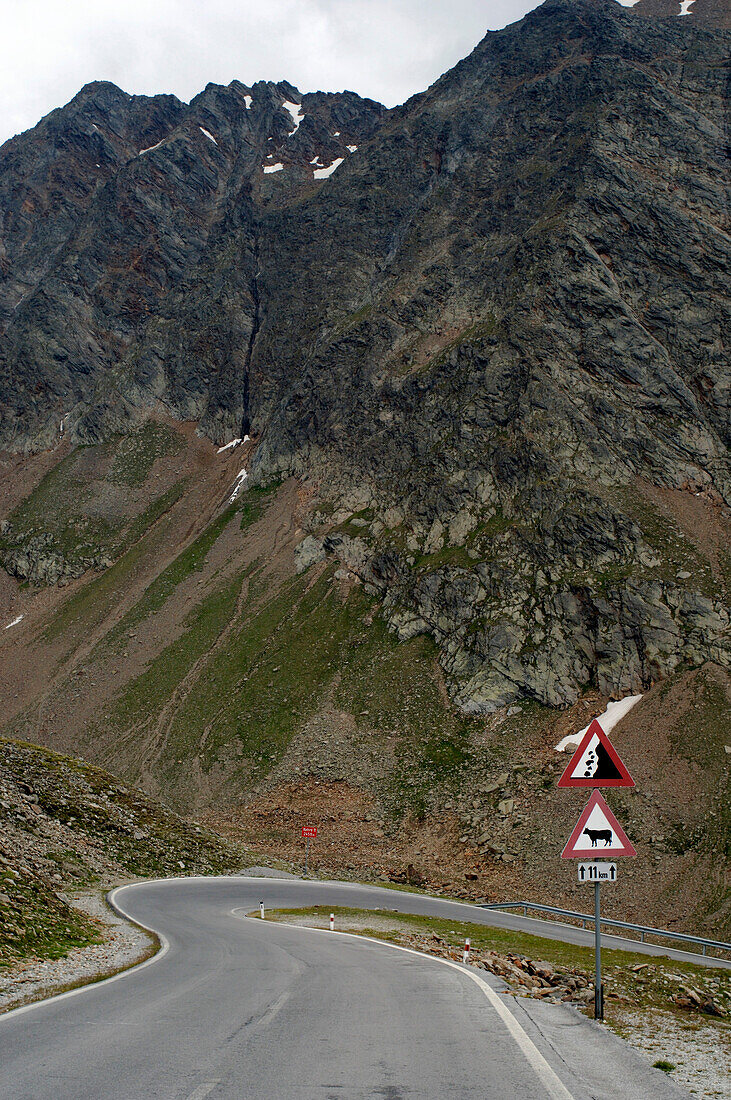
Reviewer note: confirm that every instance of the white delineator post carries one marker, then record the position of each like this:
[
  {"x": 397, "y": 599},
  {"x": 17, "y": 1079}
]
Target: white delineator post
[
  {"x": 332, "y": 922},
  {"x": 466, "y": 952},
  {"x": 261, "y": 909}
]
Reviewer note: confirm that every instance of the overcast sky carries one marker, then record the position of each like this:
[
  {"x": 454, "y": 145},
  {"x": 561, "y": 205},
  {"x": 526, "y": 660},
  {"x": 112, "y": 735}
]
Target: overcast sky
[{"x": 386, "y": 49}]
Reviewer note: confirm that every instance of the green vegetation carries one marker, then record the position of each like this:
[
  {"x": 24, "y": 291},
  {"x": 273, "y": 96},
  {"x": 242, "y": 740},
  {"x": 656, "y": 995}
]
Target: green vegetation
[
  {"x": 135, "y": 453},
  {"x": 666, "y": 1067},
  {"x": 352, "y": 320},
  {"x": 94, "y": 602},
  {"x": 80, "y": 515},
  {"x": 675, "y": 552},
  {"x": 269, "y": 679},
  {"x": 113, "y": 826},
  {"x": 245, "y": 700},
  {"x": 144, "y": 698},
  {"x": 35, "y": 921},
  {"x": 651, "y": 983},
  {"x": 395, "y": 686},
  {"x": 189, "y": 561},
  {"x": 455, "y": 556},
  {"x": 152, "y": 513},
  {"x": 58, "y": 512}
]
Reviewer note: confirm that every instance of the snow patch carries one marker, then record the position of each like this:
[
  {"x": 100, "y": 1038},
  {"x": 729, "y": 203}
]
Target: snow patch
[
  {"x": 685, "y": 7},
  {"x": 208, "y": 134},
  {"x": 351, "y": 148},
  {"x": 336, "y": 134},
  {"x": 248, "y": 101},
  {"x": 269, "y": 168},
  {"x": 238, "y": 485},
  {"x": 233, "y": 443},
  {"x": 608, "y": 720},
  {"x": 149, "y": 149},
  {"x": 15, "y": 622},
  {"x": 295, "y": 109},
  {"x": 323, "y": 173},
  {"x": 315, "y": 161}
]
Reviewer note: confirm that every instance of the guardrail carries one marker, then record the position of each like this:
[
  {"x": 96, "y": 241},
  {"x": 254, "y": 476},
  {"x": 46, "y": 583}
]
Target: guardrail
[{"x": 585, "y": 918}]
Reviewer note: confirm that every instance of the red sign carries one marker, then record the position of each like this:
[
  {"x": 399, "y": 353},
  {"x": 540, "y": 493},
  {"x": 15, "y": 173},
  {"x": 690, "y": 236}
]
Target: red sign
[
  {"x": 597, "y": 833},
  {"x": 309, "y": 830},
  {"x": 596, "y": 763}
]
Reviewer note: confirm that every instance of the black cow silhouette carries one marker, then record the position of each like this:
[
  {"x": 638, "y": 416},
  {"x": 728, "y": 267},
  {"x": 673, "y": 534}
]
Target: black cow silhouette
[{"x": 599, "y": 834}]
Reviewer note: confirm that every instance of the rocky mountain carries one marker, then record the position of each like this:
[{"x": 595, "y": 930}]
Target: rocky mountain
[
  {"x": 333, "y": 435},
  {"x": 711, "y": 13},
  {"x": 478, "y": 331}
]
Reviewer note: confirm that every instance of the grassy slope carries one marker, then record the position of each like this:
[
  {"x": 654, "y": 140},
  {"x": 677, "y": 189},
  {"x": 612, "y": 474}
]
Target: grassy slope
[
  {"x": 65, "y": 825},
  {"x": 258, "y": 656},
  {"x": 286, "y": 651},
  {"x": 85, "y": 507}
]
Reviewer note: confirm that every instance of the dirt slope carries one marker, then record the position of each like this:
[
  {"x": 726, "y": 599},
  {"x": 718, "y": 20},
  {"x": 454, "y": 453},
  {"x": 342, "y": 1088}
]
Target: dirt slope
[{"x": 203, "y": 667}]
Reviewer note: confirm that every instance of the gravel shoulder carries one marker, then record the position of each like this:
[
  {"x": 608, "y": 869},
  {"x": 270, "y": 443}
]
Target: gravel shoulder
[{"x": 124, "y": 945}]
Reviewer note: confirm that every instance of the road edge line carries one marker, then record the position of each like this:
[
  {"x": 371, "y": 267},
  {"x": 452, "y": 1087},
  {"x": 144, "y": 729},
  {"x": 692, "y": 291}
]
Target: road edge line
[
  {"x": 164, "y": 947},
  {"x": 538, "y": 1062}
]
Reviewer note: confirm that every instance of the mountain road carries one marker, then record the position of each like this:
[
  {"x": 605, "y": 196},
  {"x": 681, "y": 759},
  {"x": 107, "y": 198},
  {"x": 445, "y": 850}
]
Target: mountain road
[{"x": 234, "y": 1008}]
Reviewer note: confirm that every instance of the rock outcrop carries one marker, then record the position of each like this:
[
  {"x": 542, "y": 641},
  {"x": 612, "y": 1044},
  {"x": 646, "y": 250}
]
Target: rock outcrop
[{"x": 480, "y": 337}]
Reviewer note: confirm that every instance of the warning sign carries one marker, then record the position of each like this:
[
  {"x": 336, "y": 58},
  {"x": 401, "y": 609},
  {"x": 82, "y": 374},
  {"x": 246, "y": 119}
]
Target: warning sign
[
  {"x": 596, "y": 763},
  {"x": 597, "y": 833}
]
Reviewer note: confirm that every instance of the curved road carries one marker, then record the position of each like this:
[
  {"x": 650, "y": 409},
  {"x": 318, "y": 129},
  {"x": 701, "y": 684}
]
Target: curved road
[{"x": 240, "y": 1009}]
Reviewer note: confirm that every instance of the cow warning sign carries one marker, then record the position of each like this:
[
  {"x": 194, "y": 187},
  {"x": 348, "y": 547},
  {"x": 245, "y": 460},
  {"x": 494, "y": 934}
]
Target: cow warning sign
[
  {"x": 596, "y": 763},
  {"x": 597, "y": 833}
]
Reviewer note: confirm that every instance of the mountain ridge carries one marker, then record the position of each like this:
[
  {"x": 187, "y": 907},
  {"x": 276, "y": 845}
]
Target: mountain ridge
[{"x": 474, "y": 317}]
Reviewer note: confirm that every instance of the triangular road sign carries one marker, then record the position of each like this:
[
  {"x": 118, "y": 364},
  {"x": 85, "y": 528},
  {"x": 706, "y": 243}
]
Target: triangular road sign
[
  {"x": 596, "y": 763},
  {"x": 597, "y": 834}
]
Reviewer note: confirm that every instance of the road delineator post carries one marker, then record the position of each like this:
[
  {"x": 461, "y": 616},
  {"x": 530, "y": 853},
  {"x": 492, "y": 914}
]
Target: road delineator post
[
  {"x": 261, "y": 909},
  {"x": 332, "y": 922},
  {"x": 466, "y": 952}
]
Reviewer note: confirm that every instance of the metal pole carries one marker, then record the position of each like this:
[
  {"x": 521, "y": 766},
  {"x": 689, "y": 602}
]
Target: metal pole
[
  {"x": 598, "y": 999},
  {"x": 307, "y": 854}
]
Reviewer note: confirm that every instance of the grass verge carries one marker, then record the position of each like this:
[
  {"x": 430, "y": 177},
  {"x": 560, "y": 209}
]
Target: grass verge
[{"x": 631, "y": 978}]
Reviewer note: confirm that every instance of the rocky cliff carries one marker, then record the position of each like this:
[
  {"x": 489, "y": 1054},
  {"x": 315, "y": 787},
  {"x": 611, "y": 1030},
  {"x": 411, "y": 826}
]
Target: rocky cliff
[
  {"x": 711, "y": 13},
  {"x": 484, "y": 330}
]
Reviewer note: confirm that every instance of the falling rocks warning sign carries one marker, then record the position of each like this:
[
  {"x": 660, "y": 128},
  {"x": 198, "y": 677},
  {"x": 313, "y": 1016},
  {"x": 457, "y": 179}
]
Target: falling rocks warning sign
[
  {"x": 596, "y": 763},
  {"x": 597, "y": 833}
]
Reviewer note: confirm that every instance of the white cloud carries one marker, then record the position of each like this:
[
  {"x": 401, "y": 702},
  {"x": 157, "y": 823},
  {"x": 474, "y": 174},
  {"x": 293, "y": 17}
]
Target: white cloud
[{"x": 386, "y": 49}]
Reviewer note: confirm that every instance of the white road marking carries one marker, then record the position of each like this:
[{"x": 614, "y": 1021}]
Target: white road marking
[
  {"x": 204, "y": 1089},
  {"x": 164, "y": 948},
  {"x": 554, "y": 1086}
]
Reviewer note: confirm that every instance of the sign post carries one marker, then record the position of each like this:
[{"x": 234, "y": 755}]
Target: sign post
[
  {"x": 308, "y": 832},
  {"x": 596, "y": 763},
  {"x": 598, "y": 988}
]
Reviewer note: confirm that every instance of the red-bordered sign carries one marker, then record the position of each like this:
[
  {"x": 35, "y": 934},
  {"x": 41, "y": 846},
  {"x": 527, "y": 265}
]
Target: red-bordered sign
[
  {"x": 596, "y": 763},
  {"x": 597, "y": 834},
  {"x": 309, "y": 831}
]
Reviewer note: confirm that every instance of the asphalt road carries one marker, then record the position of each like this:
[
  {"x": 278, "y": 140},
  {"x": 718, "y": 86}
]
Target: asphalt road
[{"x": 242, "y": 1009}]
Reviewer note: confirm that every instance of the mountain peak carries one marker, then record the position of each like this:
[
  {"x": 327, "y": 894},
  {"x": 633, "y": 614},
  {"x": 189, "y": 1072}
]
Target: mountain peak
[{"x": 705, "y": 13}]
